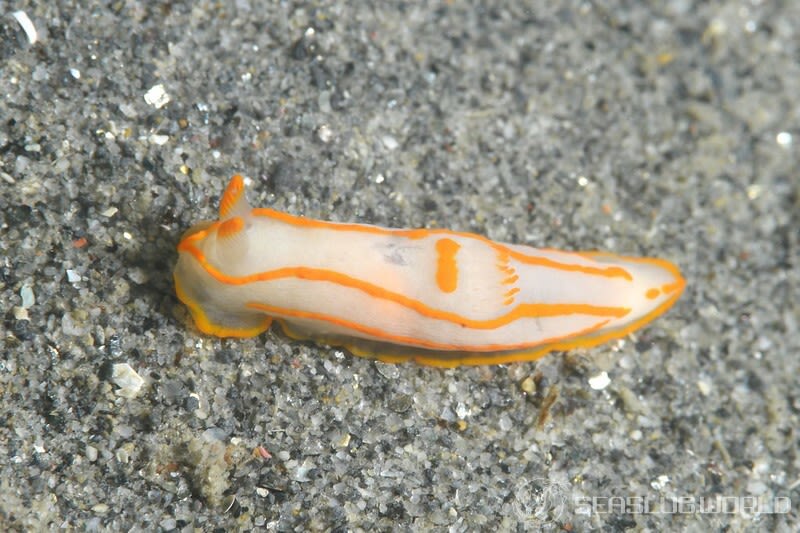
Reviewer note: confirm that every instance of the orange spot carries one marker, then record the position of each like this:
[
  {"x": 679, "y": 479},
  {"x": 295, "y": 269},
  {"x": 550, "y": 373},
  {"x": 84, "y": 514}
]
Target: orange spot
[
  {"x": 80, "y": 243},
  {"x": 510, "y": 280},
  {"x": 230, "y": 227},
  {"x": 652, "y": 294},
  {"x": 233, "y": 192},
  {"x": 447, "y": 268}
]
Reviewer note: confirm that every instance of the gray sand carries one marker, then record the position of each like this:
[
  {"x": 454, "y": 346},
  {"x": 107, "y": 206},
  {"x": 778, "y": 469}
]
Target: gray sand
[{"x": 667, "y": 131}]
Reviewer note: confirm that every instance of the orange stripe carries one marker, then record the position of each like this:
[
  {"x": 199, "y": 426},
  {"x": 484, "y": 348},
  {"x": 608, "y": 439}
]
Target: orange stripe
[
  {"x": 511, "y": 292},
  {"x": 314, "y": 274},
  {"x": 446, "y": 266},
  {"x": 384, "y": 336},
  {"x": 338, "y": 226},
  {"x": 610, "y": 272},
  {"x": 196, "y": 234},
  {"x": 679, "y": 282}
]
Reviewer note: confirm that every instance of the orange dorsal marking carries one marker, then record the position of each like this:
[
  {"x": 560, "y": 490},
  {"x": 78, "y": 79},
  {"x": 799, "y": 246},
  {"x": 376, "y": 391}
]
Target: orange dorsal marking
[{"x": 447, "y": 267}]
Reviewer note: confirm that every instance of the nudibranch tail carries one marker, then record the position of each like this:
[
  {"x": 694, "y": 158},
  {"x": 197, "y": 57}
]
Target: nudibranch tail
[{"x": 437, "y": 297}]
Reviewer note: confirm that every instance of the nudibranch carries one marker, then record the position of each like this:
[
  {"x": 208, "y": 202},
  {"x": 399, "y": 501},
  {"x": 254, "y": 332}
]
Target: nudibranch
[{"x": 437, "y": 297}]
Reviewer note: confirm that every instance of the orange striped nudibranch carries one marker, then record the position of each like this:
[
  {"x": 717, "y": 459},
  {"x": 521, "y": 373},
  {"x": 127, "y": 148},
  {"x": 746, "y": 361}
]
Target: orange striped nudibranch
[{"x": 437, "y": 297}]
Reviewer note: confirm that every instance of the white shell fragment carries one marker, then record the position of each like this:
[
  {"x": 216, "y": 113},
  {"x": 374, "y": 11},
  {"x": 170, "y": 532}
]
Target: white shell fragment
[
  {"x": 128, "y": 381},
  {"x": 27, "y": 26},
  {"x": 157, "y": 96},
  {"x": 600, "y": 381}
]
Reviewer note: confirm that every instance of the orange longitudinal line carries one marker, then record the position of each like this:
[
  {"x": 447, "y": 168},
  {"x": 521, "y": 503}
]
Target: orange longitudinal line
[
  {"x": 412, "y": 341},
  {"x": 526, "y": 310},
  {"x": 338, "y": 226},
  {"x": 610, "y": 272}
]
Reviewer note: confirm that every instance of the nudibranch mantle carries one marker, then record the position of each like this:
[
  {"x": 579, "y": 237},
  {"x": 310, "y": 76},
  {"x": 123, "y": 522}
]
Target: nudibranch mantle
[{"x": 434, "y": 296}]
